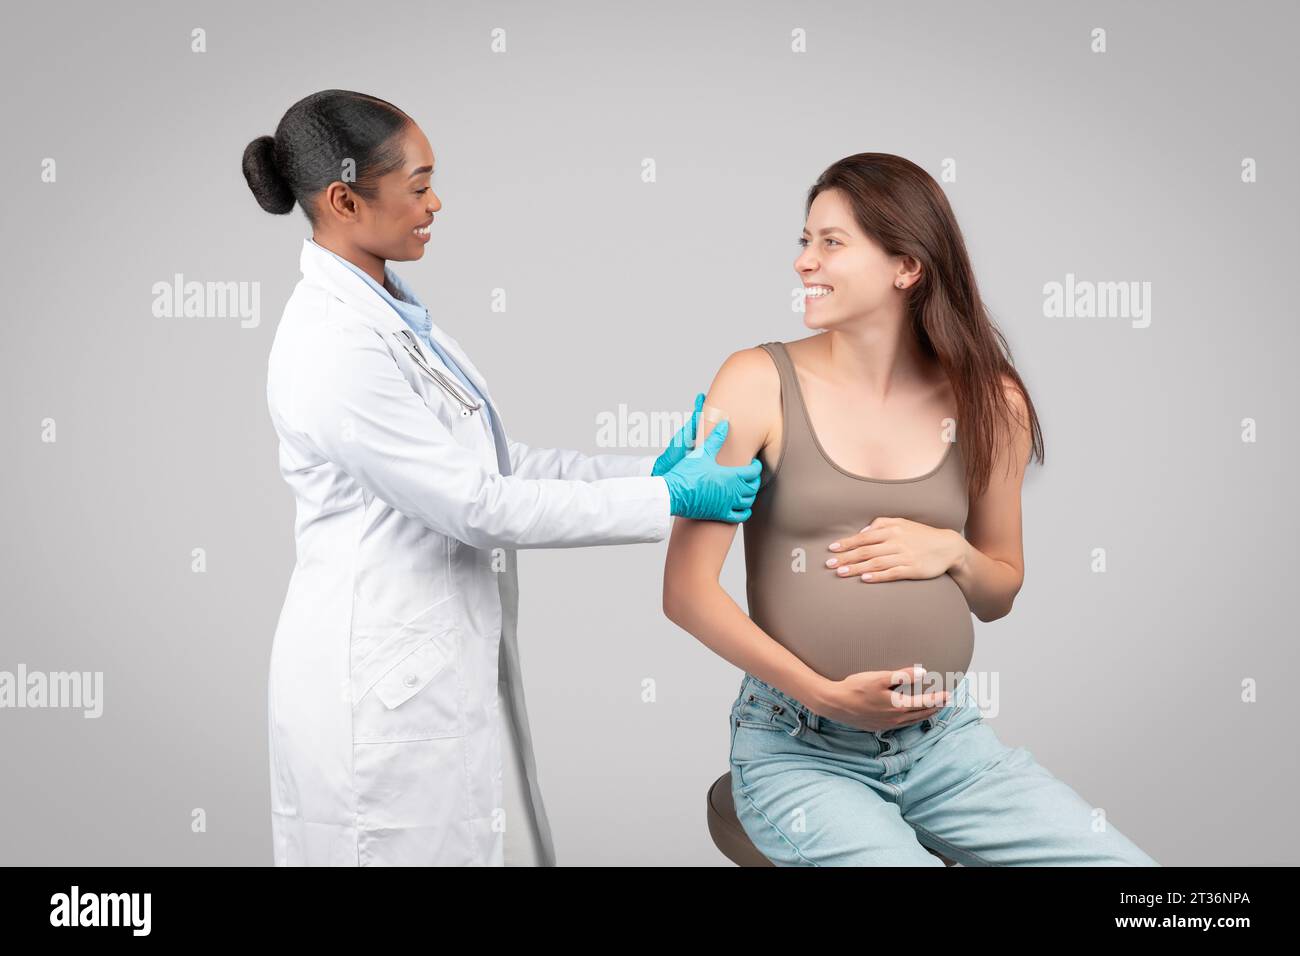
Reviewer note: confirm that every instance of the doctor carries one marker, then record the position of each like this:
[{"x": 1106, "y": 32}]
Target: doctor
[{"x": 395, "y": 701}]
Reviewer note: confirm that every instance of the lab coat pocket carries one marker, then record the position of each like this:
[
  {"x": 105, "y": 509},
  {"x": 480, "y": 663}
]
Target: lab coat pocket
[{"x": 411, "y": 686}]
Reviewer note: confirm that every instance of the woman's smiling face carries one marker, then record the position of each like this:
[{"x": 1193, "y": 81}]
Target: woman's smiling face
[
  {"x": 395, "y": 225},
  {"x": 837, "y": 256}
]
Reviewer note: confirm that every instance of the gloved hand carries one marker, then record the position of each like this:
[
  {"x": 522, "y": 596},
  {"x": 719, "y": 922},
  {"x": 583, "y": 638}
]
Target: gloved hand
[
  {"x": 682, "y": 442},
  {"x": 698, "y": 487}
]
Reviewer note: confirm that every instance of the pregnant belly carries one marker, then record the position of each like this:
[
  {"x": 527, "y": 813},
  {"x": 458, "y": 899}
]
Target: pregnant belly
[{"x": 839, "y": 627}]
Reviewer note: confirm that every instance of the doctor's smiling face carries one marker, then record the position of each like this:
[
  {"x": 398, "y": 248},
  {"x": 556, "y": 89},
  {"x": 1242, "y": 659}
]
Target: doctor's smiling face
[
  {"x": 395, "y": 223},
  {"x": 846, "y": 274}
]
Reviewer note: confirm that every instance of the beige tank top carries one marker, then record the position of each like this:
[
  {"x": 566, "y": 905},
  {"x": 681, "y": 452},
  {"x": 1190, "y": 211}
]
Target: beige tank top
[{"x": 837, "y": 626}]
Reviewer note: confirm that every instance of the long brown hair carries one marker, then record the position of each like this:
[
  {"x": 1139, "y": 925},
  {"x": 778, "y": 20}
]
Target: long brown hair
[{"x": 901, "y": 207}]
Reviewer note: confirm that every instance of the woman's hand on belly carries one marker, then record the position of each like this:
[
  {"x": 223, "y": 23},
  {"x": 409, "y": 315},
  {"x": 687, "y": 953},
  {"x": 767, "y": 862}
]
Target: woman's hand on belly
[
  {"x": 882, "y": 700},
  {"x": 894, "y": 549}
]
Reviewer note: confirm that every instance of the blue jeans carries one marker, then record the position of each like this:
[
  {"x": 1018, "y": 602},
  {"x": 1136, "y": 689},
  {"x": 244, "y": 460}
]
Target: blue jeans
[{"x": 810, "y": 791}]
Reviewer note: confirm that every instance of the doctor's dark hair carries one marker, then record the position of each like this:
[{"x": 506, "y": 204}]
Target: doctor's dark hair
[
  {"x": 901, "y": 207},
  {"x": 314, "y": 139}
]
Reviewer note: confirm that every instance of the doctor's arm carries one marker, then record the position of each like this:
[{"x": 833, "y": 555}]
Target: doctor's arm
[
  {"x": 568, "y": 465},
  {"x": 346, "y": 396}
]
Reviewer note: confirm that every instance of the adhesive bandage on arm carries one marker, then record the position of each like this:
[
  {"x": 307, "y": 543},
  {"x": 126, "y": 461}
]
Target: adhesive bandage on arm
[{"x": 711, "y": 415}]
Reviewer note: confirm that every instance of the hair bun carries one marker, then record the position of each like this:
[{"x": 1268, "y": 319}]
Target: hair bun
[{"x": 269, "y": 188}]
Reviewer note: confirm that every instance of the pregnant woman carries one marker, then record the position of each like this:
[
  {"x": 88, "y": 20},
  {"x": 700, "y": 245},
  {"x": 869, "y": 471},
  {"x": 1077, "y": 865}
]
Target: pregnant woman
[{"x": 833, "y": 761}]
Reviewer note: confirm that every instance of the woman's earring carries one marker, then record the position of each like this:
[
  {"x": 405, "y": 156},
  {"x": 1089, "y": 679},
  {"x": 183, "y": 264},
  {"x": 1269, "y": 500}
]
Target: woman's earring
[{"x": 899, "y": 283}]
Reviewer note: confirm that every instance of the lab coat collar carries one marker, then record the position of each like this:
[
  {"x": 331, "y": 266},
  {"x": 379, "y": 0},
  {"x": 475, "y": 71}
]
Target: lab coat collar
[{"x": 322, "y": 267}]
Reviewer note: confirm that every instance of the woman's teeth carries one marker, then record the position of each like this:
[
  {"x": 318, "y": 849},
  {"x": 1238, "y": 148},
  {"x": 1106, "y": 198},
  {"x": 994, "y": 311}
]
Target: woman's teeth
[
  {"x": 422, "y": 231},
  {"x": 817, "y": 291}
]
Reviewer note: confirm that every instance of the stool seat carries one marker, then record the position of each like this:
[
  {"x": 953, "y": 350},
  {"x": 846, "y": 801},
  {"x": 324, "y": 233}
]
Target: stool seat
[{"x": 730, "y": 837}]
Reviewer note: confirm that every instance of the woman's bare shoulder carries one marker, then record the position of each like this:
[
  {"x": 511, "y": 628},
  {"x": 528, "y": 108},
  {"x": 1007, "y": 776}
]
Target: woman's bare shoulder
[{"x": 746, "y": 391}]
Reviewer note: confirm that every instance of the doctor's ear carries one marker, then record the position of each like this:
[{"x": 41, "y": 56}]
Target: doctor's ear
[{"x": 338, "y": 202}]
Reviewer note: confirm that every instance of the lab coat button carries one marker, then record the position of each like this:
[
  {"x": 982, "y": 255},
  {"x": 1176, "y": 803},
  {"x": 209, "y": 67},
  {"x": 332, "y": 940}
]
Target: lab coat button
[{"x": 409, "y": 680}]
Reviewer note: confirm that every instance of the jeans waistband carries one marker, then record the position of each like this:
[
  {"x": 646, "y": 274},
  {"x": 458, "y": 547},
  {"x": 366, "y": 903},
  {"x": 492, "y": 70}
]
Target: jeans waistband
[{"x": 815, "y": 721}]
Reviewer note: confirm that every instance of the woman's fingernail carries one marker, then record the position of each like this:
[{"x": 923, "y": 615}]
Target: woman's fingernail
[
  {"x": 836, "y": 546},
  {"x": 831, "y": 562},
  {"x": 867, "y": 576}
]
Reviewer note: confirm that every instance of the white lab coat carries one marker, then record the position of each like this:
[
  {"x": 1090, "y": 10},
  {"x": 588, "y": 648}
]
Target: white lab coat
[{"x": 399, "y": 623}]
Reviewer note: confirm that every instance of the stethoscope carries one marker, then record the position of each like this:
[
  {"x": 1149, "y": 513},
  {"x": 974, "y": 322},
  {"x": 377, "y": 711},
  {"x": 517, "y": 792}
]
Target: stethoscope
[{"x": 467, "y": 404}]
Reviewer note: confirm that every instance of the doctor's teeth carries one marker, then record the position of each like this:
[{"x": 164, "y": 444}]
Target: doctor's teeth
[{"x": 421, "y": 230}]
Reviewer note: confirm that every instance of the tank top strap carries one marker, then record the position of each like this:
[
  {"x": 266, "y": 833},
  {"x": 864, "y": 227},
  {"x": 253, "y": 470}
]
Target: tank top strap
[
  {"x": 795, "y": 438},
  {"x": 784, "y": 367}
]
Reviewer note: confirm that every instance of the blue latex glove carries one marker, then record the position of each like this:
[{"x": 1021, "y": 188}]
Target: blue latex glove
[
  {"x": 698, "y": 487},
  {"x": 682, "y": 442}
]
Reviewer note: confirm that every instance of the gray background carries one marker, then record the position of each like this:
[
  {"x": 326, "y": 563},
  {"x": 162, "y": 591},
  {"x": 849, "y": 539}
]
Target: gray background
[{"x": 1120, "y": 166}]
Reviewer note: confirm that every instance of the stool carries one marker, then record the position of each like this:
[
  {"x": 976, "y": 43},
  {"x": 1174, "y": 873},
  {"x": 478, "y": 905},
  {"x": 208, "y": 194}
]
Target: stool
[{"x": 731, "y": 838}]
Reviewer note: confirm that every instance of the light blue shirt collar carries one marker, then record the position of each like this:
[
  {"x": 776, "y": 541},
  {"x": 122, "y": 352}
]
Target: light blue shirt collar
[
  {"x": 408, "y": 306},
  {"x": 413, "y": 313}
]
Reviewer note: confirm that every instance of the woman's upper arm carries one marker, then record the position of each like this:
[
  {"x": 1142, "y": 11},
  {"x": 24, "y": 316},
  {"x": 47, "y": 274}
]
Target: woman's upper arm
[
  {"x": 993, "y": 525},
  {"x": 745, "y": 389}
]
